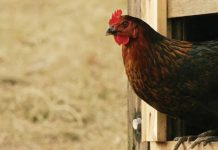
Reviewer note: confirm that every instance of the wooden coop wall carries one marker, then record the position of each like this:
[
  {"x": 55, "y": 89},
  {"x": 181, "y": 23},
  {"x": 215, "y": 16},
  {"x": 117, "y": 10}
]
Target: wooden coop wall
[{"x": 172, "y": 18}]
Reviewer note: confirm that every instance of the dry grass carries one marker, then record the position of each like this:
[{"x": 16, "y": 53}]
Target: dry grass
[{"x": 62, "y": 84}]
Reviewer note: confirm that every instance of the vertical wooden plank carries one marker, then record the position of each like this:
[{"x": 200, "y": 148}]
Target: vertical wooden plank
[
  {"x": 134, "y": 111},
  {"x": 134, "y": 103},
  {"x": 154, "y": 12},
  {"x": 134, "y": 8}
]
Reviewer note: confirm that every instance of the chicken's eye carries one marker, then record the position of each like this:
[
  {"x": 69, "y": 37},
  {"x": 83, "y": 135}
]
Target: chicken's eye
[{"x": 125, "y": 24}]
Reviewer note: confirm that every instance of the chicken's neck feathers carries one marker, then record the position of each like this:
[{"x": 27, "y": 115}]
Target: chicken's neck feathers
[{"x": 156, "y": 56}]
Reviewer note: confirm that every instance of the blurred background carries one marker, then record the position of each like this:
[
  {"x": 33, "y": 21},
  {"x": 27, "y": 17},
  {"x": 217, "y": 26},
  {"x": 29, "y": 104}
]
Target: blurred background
[{"x": 62, "y": 81}]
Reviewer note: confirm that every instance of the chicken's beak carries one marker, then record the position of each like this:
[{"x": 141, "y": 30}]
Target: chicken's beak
[{"x": 110, "y": 31}]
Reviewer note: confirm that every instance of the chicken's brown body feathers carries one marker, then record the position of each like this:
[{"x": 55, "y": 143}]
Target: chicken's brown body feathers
[{"x": 175, "y": 77}]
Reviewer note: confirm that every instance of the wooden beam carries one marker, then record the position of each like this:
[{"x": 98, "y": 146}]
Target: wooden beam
[
  {"x": 153, "y": 124},
  {"x": 134, "y": 8},
  {"x": 134, "y": 111},
  {"x": 154, "y": 12},
  {"x": 180, "y": 8},
  {"x": 134, "y": 103}
]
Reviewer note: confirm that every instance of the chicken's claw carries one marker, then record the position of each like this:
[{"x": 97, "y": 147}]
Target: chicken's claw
[
  {"x": 183, "y": 139},
  {"x": 205, "y": 138}
]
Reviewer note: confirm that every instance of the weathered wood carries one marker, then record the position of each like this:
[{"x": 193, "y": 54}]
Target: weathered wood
[
  {"x": 134, "y": 103},
  {"x": 153, "y": 122},
  {"x": 134, "y": 111},
  {"x": 180, "y": 8},
  {"x": 134, "y": 8}
]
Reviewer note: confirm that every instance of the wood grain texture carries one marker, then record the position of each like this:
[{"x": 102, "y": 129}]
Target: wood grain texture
[
  {"x": 134, "y": 111},
  {"x": 134, "y": 103},
  {"x": 154, "y": 123},
  {"x": 180, "y": 8},
  {"x": 134, "y": 8}
]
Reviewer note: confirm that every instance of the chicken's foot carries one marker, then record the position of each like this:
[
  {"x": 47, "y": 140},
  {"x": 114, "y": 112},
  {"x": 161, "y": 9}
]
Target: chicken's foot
[
  {"x": 183, "y": 139},
  {"x": 205, "y": 137}
]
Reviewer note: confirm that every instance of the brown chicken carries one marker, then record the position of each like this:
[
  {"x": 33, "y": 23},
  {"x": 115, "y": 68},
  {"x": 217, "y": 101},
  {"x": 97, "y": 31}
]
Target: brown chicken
[{"x": 175, "y": 77}]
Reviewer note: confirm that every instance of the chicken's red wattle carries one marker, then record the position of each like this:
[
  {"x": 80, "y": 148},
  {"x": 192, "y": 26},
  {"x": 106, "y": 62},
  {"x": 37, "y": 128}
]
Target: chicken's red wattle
[{"x": 121, "y": 39}]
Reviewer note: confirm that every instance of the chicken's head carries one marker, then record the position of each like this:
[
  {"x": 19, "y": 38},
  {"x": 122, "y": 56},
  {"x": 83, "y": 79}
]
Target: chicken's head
[{"x": 121, "y": 28}]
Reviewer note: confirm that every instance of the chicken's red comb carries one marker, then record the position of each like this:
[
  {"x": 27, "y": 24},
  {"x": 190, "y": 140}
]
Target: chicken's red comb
[{"x": 115, "y": 17}]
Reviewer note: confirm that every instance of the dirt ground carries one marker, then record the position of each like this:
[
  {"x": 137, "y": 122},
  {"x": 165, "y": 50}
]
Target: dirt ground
[{"x": 62, "y": 82}]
